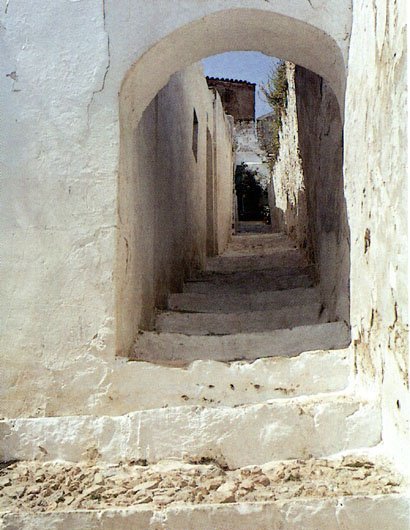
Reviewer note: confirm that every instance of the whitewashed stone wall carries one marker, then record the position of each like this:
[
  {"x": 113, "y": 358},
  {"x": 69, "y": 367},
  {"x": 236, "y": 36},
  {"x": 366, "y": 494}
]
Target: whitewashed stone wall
[
  {"x": 163, "y": 220},
  {"x": 289, "y": 211},
  {"x": 62, "y": 68},
  {"x": 308, "y": 184},
  {"x": 376, "y": 191},
  {"x": 249, "y": 151},
  {"x": 162, "y": 194},
  {"x": 223, "y": 170},
  {"x": 321, "y": 151}
]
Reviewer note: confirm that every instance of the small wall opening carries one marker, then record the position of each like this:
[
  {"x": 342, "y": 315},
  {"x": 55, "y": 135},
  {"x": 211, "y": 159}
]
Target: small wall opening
[{"x": 195, "y": 128}]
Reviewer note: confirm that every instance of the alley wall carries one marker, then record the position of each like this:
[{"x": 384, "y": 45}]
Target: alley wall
[
  {"x": 289, "y": 211},
  {"x": 308, "y": 185},
  {"x": 163, "y": 195},
  {"x": 321, "y": 153},
  {"x": 224, "y": 165},
  {"x": 376, "y": 176},
  {"x": 364, "y": 207}
]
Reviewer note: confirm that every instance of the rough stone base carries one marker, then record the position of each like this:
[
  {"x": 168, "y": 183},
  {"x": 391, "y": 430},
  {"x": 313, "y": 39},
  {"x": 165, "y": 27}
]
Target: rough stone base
[
  {"x": 356, "y": 492},
  {"x": 390, "y": 512}
]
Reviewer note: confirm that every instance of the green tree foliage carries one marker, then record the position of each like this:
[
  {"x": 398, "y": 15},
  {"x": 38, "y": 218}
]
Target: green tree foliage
[{"x": 275, "y": 92}]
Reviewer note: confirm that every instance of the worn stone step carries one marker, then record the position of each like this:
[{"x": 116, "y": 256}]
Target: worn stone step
[
  {"x": 179, "y": 348},
  {"x": 246, "y": 322},
  {"x": 210, "y": 383},
  {"x": 315, "y": 426},
  {"x": 235, "y": 277},
  {"x": 248, "y": 248},
  {"x": 251, "y": 262},
  {"x": 356, "y": 512},
  {"x": 253, "y": 227},
  {"x": 255, "y": 241},
  {"x": 205, "y": 496},
  {"x": 254, "y": 283},
  {"x": 231, "y": 302}
]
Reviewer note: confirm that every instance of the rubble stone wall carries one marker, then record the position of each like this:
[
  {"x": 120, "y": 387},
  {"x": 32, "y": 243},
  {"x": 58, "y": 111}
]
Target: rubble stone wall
[{"x": 289, "y": 212}]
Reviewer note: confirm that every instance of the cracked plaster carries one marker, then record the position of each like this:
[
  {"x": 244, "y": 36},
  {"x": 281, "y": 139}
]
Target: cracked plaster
[
  {"x": 60, "y": 156},
  {"x": 60, "y": 168}
]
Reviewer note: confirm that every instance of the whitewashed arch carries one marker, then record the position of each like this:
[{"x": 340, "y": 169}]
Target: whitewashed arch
[
  {"x": 288, "y": 37},
  {"x": 272, "y": 33}
]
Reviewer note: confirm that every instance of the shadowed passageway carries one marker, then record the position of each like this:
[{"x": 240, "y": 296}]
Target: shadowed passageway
[{"x": 258, "y": 299}]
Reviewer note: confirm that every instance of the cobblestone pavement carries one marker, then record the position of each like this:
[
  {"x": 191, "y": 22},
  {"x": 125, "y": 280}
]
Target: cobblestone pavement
[{"x": 38, "y": 487}]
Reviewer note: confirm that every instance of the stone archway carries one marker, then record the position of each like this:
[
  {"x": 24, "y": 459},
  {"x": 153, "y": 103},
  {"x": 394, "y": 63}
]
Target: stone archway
[
  {"x": 273, "y": 33},
  {"x": 63, "y": 386},
  {"x": 289, "y": 37}
]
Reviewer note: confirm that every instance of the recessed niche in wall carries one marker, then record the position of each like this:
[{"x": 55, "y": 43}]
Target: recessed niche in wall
[{"x": 195, "y": 136}]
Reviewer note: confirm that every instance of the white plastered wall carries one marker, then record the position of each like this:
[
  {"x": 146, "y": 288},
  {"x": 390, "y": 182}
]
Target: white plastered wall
[
  {"x": 376, "y": 181},
  {"x": 162, "y": 194},
  {"x": 62, "y": 68},
  {"x": 223, "y": 159}
]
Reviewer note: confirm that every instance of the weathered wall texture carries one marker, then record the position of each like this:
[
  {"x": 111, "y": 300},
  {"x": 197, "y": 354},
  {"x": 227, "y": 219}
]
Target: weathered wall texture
[
  {"x": 308, "y": 184},
  {"x": 163, "y": 220},
  {"x": 321, "y": 152},
  {"x": 289, "y": 210},
  {"x": 376, "y": 192},
  {"x": 223, "y": 173},
  {"x": 62, "y": 67},
  {"x": 376, "y": 206},
  {"x": 250, "y": 151},
  {"x": 162, "y": 195}
]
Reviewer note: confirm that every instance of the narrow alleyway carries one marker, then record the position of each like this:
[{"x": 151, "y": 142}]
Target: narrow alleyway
[
  {"x": 258, "y": 299},
  {"x": 251, "y": 444},
  {"x": 158, "y": 372}
]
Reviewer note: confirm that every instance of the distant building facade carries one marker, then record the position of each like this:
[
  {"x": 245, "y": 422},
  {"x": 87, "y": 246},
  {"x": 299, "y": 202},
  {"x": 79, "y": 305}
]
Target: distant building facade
[{"x": 238, "y": 97}]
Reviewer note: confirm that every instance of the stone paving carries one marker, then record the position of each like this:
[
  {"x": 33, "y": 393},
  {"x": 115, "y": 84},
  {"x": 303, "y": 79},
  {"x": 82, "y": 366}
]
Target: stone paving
[{"x": 35, "y": 486}]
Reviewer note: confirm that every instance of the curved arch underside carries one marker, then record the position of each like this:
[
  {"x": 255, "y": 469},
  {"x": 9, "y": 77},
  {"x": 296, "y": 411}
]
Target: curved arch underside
[
  {"x": 240, "y": 29},
  {"x": 233, "y": 30}
]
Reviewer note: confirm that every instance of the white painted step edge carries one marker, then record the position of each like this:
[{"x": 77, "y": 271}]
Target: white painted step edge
[
  {"x": 235, "y": 436},
  {"x": 159, "y": 347}
]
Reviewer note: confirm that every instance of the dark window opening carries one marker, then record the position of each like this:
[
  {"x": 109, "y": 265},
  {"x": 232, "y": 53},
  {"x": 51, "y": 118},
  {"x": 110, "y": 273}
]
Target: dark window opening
[{"x": 195, "y": 136}]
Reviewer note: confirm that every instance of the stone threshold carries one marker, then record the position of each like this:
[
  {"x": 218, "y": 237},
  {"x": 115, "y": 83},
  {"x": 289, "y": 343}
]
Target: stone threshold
[{"x": 238, "y": 436}]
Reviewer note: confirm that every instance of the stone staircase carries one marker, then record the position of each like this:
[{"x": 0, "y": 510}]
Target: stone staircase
[
  {"x": 258, "y": 299},
  {"x": 247, "y": 418}
]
